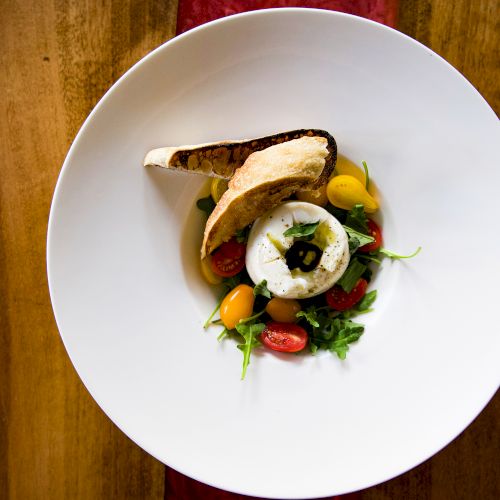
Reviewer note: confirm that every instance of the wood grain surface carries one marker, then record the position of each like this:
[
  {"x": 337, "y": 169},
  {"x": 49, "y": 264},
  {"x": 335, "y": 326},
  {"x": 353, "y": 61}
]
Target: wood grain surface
[{"x": 57, "y": 60}]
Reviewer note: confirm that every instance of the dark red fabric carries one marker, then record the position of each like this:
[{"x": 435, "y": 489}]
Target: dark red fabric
[
  {"x": 192, "y": 13},
  {"x": 180, "y": 487}
]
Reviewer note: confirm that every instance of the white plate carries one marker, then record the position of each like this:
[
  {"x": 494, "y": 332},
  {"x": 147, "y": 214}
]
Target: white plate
[{"x": 129, "y": 300}]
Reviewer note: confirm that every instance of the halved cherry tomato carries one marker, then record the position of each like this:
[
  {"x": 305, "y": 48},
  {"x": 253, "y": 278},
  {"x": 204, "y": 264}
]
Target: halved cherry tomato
[
  {"x": 340, "y": 300},
  {"x": 237, "y": 304},
  {"x": 283, "y": 310},
  {"x": 284, "y": 337},
  {"x": 375, "y": 232},
  {"x": 229, "y": 259}
]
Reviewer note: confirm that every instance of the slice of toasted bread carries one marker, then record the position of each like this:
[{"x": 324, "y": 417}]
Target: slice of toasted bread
[
  {"x": 266, "y": 178},
  {"x": 222, "y": 159}
]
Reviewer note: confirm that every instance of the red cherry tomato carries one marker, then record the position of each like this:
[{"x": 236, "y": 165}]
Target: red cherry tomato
[
  {"x": 284, "y": 337},
  {"x": 229, "y": 259},
  {"x": 375, "y": 232},
  {"x": 340, "y": 300}
]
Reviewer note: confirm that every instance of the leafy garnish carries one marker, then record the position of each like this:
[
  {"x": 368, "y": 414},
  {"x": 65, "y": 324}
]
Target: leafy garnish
[
  {"x": 395, "y": 256},
  {"x": 367, "y": 175},
  {"x": 356, "y": 219},
  {"x": 353, "y": 243},
  {"x": 253, "y": 317},
  {"x": 310, "y": 315},
  {"x": 261, "y": 289},
  {"x": 333, "y": 333},
  {"x": 242, "y": 235},
  {"x": 207, "y": 205},
  {"x": 223, "y": 334},
  {"x": 362, "y": 239},
  {"x": 339, "y": 213},
  {"x": 367, "y": 275},
  {"x": 369, "y": 257},
  {"x": 217, "y": 307},
  {"x": 350, "y": 332},
  {"x": 232, "y": 282},
  {"x": 302, "y": 230},
  {"x": 351, "y": 276},
  {"x": 365, "y": 303},
  {"x": 249, "y": 332}
]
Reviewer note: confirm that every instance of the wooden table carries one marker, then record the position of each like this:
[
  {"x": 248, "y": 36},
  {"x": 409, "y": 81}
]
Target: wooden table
[{"x": 57, "y": 59}]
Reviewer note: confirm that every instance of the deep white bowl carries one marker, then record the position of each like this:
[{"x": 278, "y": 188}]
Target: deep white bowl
[{"x": 129, "y": 300}]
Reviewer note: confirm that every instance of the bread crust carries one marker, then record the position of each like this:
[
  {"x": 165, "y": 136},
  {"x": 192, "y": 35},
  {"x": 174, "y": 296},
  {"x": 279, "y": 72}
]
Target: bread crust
[
  {"x": 222, "y": 159},
  {"x": 266, "y": 178}
]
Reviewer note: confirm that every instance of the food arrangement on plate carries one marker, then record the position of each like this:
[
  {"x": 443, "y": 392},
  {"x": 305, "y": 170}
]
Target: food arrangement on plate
[{"x": 290, "y": 238}]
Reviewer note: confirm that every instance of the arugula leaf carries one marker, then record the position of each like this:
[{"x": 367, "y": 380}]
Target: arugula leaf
[
  {"x": 352, "y": 313},
  {"x": 353, "y": 243},
  {"x": 232, "y": 282},
  {"x": 395, "y": 256},
  {"x": 369, "y": 257},
  {"x": 367, "y": 275},
  {"x": 367, "y": 174},
  {"x": 217, "y": 307},
  {"x": 261, "y": 289},
  {"x": 365, "y": 303},
  {"x": 242, "y": 235},
  {"x": 350, "y": 333},
  {"x": 339, "y": 213},
  {"x": 207, "y": 205},
  {"x": 252, "y": 318},
  {"x": 334, "y": 334},
  {"x": 310, "y": 315},
  {"x": 351, "y": 276},
  {"x": 249, "y": 332},
  {"x": 363, "y": 239},
  {"x": 301, "y": 230},
  {"x": 356, "y": 219},
  {"x": 223, "y": 334}
]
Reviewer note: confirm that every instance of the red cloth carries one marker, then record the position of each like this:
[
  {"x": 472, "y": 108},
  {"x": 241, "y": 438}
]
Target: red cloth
[{"x": 192, "y": 13}]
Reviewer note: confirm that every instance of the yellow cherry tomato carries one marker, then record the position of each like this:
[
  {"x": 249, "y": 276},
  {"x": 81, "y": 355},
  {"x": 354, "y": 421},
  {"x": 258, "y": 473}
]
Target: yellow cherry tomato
[
  {"x": 283, "y": 310},
  {"x": 315, "y": 196},
  {"x": 345, "y": 191},
  {"x": 237, "y": 304},
  {"x": 344, "y": 166},
  {"x": 218, "y": 188},
  {"x": 208, "y": 274}
]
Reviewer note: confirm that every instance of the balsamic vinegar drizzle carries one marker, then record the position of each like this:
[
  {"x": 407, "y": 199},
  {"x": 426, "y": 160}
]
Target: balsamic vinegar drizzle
[{"x": 303, "y": 255}]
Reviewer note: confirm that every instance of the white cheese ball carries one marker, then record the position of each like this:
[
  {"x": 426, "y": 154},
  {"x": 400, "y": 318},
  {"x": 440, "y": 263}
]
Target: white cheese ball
[{"x": 267, "y": 246}]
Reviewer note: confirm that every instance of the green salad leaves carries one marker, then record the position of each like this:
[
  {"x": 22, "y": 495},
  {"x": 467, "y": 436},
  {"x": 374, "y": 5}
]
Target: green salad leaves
[
  {"x": 261, "y": 289},
  {"x": 249, "y": 332},
  {"x": 331, "y": 332},
  {"x": 302, "y": 230},
  {"x": 206, "y": 205},
  {"x": 327, "y": 328}
]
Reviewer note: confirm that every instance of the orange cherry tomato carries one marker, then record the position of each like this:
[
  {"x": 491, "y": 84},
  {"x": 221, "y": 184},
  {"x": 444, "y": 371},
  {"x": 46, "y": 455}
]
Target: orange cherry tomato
[
  {"x": 237, "y": 304},
  {"x": 283, "y": 310},
  {"x": 315, "y": 196}
]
